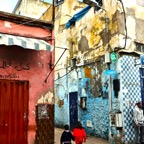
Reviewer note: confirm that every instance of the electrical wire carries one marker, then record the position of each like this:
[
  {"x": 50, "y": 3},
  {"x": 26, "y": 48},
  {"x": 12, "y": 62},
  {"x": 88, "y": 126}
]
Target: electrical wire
[
  {"x": 55, "y": 65},
  {"x": 124, "y": 23},
  {"x": 60, "y": 47},
  {"x": 64, "y": 75},
  {"x": 106, "y": 21}
]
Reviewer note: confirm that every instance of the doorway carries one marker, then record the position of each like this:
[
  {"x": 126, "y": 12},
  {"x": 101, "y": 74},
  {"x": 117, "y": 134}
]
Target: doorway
[
  {"x": 73, "y": 108},
  {"x": 14, "y": 97}
]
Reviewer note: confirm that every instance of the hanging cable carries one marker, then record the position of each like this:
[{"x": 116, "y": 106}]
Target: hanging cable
[
  {"x": 106, "y": 21},
  {"x": 64, "y": 75},
  {"x": 124, "y": 23},
  {"x": 55, "y": 65},
  {"x": 61, "y": 47}
]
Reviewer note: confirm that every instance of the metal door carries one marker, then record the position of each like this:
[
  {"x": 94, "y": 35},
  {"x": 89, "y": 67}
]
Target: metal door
[
  {"x": 13, "y": 111},
  {"x": 73, "y": 109}
]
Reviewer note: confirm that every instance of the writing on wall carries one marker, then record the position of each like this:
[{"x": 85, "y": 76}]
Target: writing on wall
[
  {"x": 19, "y": 67},
  {"x": 10, "y": 76}
]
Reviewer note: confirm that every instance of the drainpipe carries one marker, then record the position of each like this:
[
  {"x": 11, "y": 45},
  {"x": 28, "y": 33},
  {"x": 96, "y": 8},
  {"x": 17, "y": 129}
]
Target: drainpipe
[
  {"x": 67, "y": 93},
  {"x": 110, "y": 94},
  {"x": 110, "y": 107}
]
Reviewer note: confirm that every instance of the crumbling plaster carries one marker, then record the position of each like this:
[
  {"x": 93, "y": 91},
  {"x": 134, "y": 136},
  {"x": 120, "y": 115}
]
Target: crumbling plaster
[
  {"x": 88, "y": 40},
  {"x": 32, "y": 8}
]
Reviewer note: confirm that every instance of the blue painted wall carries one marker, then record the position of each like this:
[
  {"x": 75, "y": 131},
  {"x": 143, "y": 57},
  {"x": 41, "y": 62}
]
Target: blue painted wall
[{"x": 96, "y": 91}]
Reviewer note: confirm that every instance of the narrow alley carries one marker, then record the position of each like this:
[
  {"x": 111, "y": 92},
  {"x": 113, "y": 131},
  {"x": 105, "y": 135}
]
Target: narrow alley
[
  {"x": 90, "y": 140},
  {"x": 69, "y": 61}
]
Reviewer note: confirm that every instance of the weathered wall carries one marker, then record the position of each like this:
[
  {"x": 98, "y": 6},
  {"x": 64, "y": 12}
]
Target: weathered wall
[
  {"x": 48, "y": 14},
  {"x": 88, "y": 38},
  {"x": 25, "y": 64},
  {"x": 25, "y": 31},
  {"x": 31, "y": 65},
  {"x": 86, "y": 41},
  {"x": 92, "y": 84},
  {"x": 134, "y": 20},
  {"x": 32, "y": 8}
]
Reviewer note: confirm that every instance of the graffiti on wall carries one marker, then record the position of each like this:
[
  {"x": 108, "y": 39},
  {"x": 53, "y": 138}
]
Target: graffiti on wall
[
  {"x": 10, "y": 76},
  {"x": 21, "y": 66}
]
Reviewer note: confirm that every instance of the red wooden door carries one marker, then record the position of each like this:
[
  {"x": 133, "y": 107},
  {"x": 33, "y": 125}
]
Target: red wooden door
[{"x": 13, "y": 111}]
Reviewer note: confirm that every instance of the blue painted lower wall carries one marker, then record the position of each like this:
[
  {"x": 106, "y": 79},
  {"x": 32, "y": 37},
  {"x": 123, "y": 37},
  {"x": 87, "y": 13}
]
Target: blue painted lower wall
[
  {"x": 95, "y": 89},
  {"x": 97, "y": 113},
  {"x": 95, "y": 118}
]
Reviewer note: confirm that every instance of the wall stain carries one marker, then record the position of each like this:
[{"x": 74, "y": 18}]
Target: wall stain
[{"x": 83, "y": 44}]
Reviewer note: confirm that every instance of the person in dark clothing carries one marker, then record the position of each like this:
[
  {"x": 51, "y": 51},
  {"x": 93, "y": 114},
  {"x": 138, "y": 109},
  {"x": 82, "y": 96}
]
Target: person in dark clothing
[{"x": 66, "y": 136}]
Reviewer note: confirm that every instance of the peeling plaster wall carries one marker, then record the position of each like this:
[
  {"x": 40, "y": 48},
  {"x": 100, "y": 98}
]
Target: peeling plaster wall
[
  {"x": 87, "y": 41},
  {"x": 94, "y": 88},
  {"x": 62, "y": 89},
  {"x": 32, "y": 8},
  {"x": 134, "y": 22},
  {"x": 21, "y": 64},
  {"x": 36, "y": 67}
]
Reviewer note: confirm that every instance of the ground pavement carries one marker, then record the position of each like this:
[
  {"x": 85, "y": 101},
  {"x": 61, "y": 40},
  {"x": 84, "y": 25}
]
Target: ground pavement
[{"x": 90, "y": 140}]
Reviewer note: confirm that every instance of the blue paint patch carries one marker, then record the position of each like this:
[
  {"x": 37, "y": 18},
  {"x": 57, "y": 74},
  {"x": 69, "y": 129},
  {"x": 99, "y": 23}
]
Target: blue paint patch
[{"x": 96, "y": 105}]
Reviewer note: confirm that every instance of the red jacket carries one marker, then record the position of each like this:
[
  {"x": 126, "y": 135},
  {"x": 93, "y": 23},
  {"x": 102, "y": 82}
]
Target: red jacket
[{"x": 80, "y": 135}]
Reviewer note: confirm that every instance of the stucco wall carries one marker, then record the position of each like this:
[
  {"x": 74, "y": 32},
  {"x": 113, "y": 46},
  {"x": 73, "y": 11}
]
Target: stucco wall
[
  {"x": 94, "y": 86},
  {"x": 32, "y": 8},
  {"x": 87, "y": 40},
  {"x": 13, "y": 28},
  {"x": 31, "y": 65}
]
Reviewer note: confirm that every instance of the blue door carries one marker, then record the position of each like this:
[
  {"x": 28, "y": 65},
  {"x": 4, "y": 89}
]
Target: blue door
[
  {"x": 142, "y": 85},
  {"x": 73, "y": 98}
]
